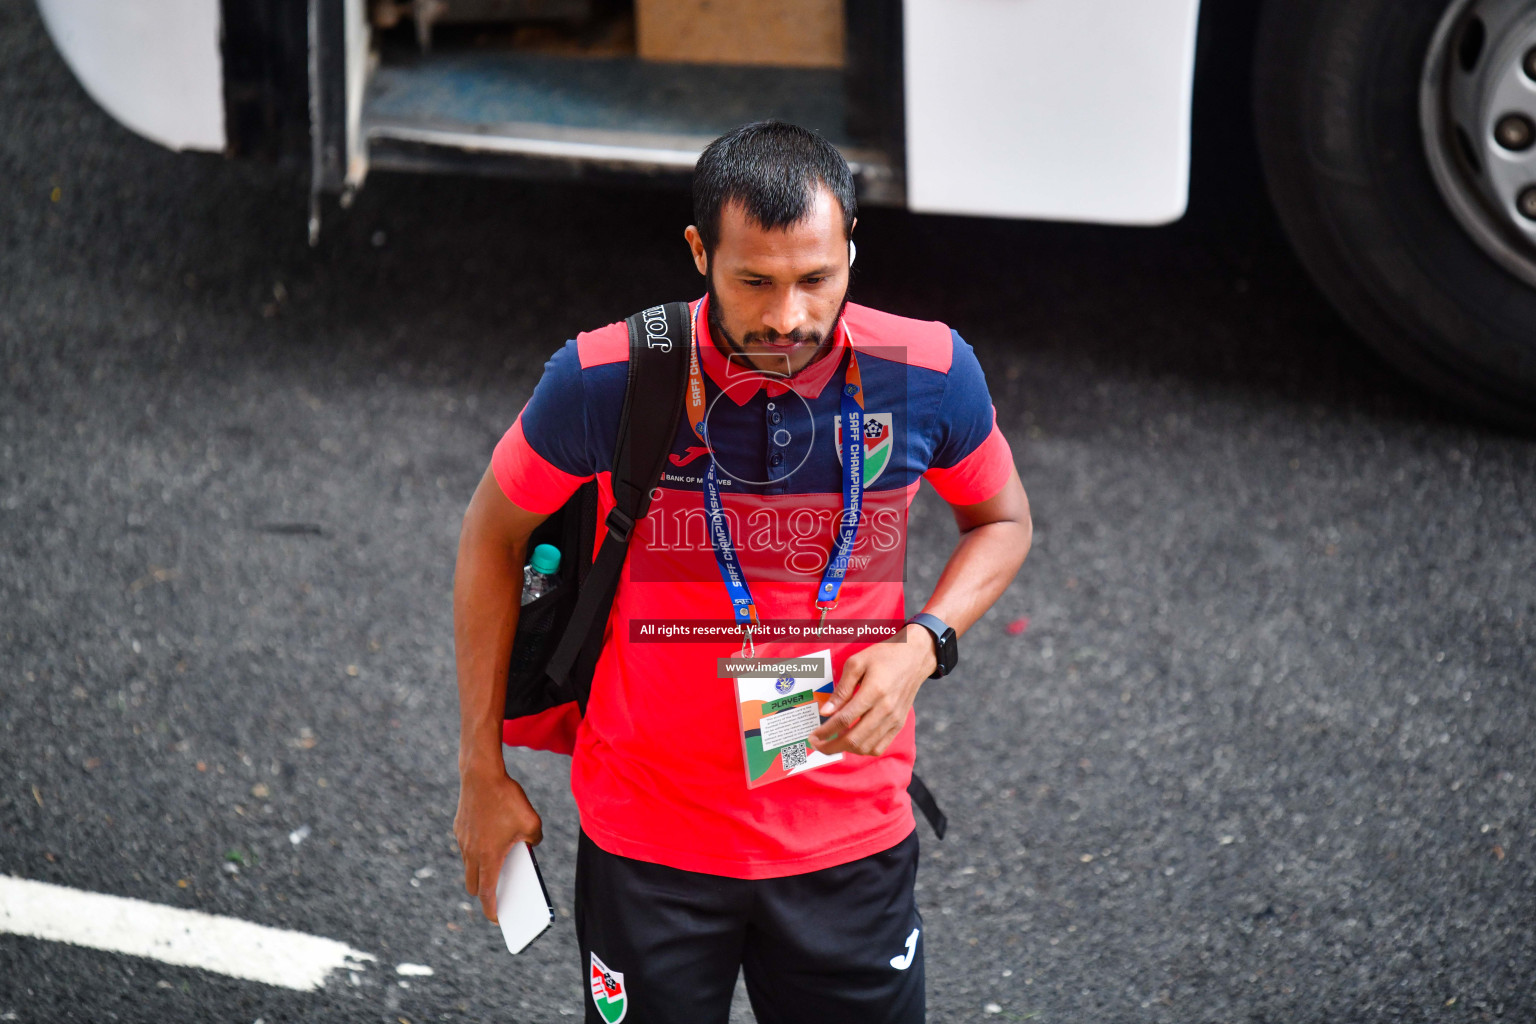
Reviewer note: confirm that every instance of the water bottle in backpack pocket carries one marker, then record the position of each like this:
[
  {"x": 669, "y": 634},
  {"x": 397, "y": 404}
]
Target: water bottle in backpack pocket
[{"x": 540, "y": 575}]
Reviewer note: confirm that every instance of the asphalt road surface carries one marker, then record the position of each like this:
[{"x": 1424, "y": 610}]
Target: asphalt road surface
[{"x": 1262, "y": 752}]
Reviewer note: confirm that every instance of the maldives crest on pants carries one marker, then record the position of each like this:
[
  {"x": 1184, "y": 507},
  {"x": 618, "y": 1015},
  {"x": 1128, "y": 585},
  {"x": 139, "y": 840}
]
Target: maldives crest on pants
[{"x": 608, "y": 993}]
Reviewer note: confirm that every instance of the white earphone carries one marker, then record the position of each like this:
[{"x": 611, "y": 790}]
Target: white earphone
[{"x": 853, "y": 251}]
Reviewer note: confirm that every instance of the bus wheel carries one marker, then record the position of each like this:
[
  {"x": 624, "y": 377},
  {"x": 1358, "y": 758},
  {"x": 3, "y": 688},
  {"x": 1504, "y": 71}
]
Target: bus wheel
[{"x": 1399, "y": 143}]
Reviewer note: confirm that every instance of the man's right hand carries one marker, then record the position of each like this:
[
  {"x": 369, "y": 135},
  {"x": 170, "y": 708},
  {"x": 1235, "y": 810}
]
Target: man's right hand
[{"x": 494, "y": 813}]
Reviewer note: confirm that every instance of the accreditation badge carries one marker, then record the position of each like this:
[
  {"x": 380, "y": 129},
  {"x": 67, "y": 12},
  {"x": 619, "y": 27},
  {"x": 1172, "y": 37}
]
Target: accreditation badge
[{"x": 779, "y": 701}]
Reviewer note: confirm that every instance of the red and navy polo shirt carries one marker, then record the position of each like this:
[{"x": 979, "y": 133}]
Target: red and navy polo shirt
[{"x": 657, "y": 767}]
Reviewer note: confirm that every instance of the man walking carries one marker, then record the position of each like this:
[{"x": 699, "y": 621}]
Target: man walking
[{"x": 691, "y": 867}]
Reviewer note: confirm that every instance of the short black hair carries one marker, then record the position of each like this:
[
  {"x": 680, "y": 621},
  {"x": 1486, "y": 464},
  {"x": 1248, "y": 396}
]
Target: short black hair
[{"x": 772, "y": 169}]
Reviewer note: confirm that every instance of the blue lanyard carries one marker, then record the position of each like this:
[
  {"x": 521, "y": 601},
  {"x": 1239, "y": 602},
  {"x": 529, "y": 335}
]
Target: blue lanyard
[{"x": 851, "y": 418}]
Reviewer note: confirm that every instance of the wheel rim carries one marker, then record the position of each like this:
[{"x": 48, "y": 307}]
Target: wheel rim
[{"x": 1477, "y": 108}]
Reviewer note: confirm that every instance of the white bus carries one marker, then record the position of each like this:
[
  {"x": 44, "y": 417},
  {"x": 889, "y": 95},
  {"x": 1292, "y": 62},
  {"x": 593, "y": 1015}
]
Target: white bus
[{"x": 1398, "y": 137}]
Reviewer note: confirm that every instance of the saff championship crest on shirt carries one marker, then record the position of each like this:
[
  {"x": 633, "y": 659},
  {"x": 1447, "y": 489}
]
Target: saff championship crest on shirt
[
  {"x": 878, "y": 444},
  {"x": 608, "y": 993}
]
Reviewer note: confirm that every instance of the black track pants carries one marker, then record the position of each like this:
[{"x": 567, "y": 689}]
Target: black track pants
[{"x": 662, "y": 946}]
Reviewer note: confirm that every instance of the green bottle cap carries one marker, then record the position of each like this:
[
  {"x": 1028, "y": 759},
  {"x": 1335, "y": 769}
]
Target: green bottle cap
[{"x": 546, "y": 559}]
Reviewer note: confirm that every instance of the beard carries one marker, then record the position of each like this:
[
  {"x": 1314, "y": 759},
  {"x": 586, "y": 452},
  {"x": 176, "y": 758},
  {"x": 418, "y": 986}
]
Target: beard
[{"x": 801, "y": 335}]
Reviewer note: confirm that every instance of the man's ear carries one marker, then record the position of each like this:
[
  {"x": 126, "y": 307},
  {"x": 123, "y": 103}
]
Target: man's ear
[{"x": 696, "y": 246}]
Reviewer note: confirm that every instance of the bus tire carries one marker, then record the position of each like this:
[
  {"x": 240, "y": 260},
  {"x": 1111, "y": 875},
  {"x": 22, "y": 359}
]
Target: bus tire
[{"x": 1337, "y": 113}]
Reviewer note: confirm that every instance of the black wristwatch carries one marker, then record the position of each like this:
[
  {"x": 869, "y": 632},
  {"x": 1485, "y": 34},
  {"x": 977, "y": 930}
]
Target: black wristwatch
[{"x": 945, "y": 647}]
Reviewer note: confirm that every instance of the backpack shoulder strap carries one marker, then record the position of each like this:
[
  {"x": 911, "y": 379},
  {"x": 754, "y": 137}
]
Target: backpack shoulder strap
[{"x": 659, "y": 339}]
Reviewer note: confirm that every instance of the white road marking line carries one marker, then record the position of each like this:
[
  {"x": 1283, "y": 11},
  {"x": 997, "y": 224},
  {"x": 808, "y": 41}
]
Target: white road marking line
[
  {"x": 189, "y": 938},
  {"x": 414, "y": 970}
]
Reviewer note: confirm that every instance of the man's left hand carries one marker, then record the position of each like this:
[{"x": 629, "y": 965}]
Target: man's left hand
[{"x": 870, "y": 703}]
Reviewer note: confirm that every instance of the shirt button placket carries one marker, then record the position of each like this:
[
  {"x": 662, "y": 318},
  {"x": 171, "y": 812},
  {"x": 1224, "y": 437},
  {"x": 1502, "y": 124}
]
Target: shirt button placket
[{"x": 777, "y": 439}]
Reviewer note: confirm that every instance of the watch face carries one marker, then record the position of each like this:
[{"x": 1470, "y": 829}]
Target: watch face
[
  {"x": 945, "y": 650},
  {"x": 949, "y": 652}
]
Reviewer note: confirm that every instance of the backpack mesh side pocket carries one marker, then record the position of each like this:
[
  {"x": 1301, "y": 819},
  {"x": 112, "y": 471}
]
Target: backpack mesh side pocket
[{"x": 541, "y": 623}]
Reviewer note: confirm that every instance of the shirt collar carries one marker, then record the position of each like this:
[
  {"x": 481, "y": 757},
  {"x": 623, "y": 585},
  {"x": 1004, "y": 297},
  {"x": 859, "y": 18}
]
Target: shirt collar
[{"x": 742, "y": 382}]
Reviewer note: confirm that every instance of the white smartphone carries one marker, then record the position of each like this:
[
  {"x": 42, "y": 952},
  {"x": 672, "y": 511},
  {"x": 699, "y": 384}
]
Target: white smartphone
[{"x": 522, "y": 901}]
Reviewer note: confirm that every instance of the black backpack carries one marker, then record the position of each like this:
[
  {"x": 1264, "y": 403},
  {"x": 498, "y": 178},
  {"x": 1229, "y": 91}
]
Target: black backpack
[{"x": 560, "y": 634}]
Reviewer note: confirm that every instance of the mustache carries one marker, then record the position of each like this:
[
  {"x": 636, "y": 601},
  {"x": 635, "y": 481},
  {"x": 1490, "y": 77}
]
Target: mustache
[{"x": 799, "y": 336}]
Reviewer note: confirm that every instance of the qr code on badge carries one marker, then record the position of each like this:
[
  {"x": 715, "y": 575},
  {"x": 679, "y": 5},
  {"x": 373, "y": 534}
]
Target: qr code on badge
[{"x": 794, "y": 756}]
